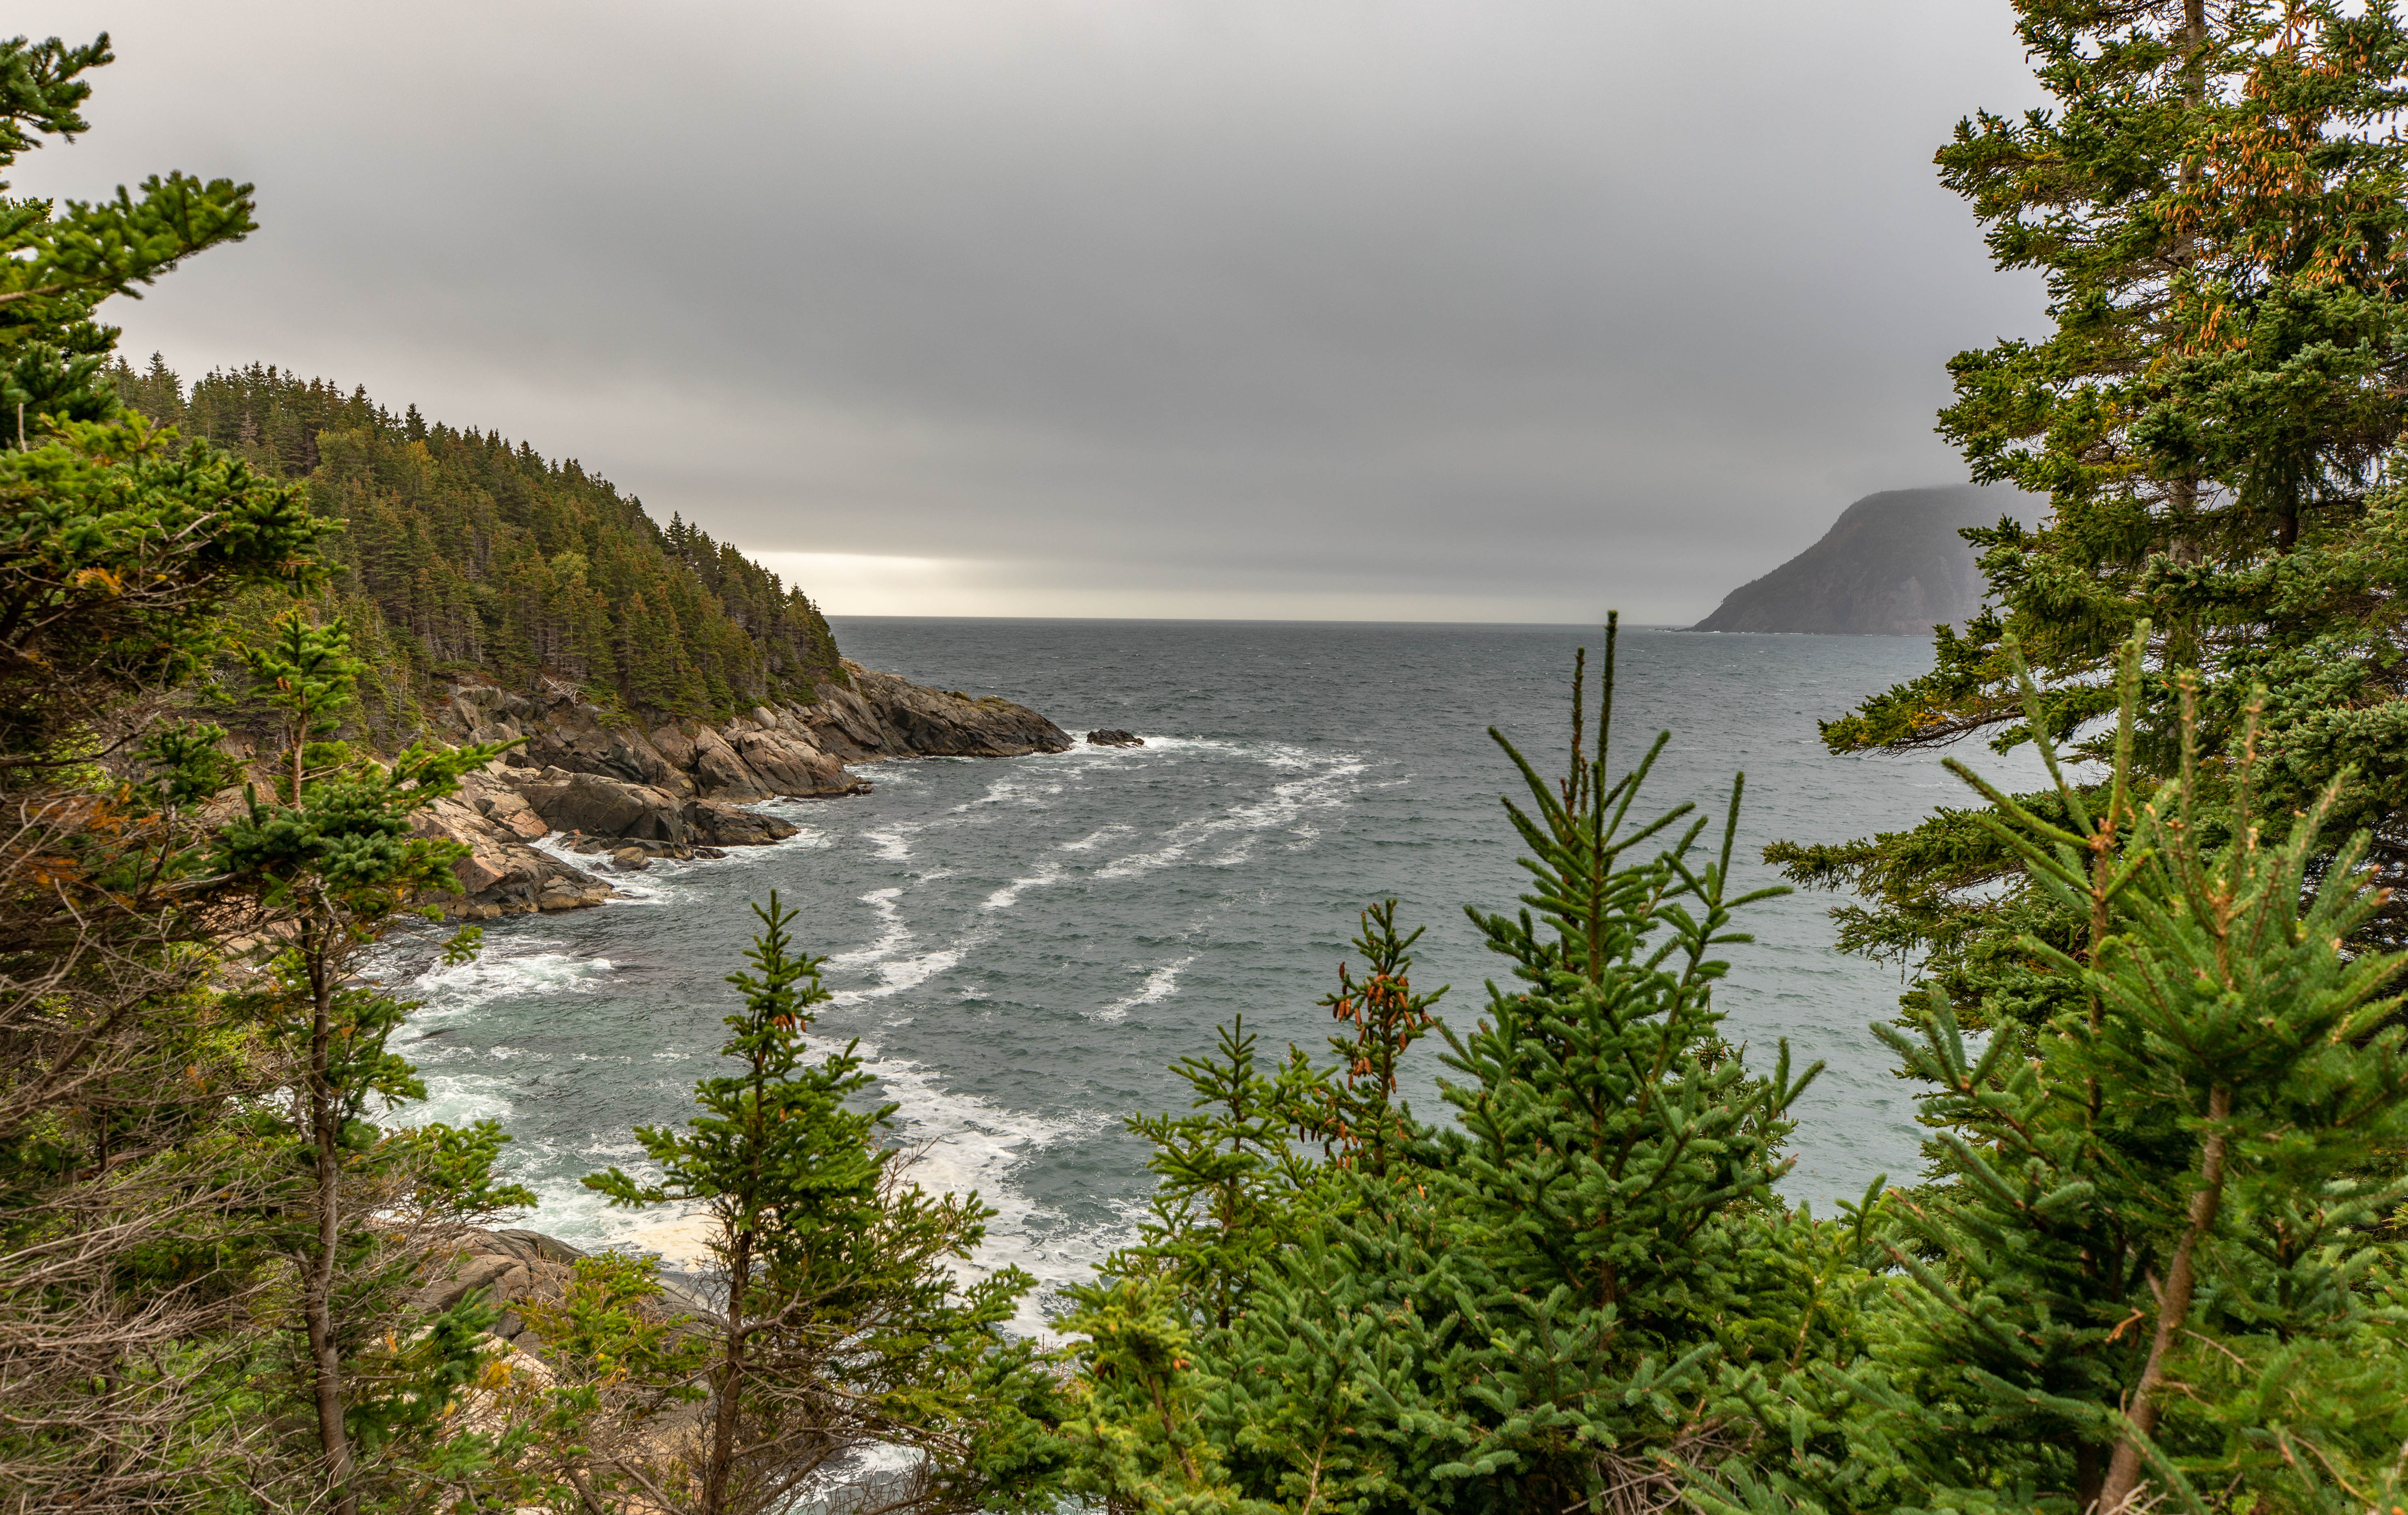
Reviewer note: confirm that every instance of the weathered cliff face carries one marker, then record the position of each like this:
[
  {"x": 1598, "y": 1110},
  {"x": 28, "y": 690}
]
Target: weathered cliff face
[{"x": 585, "y": 773}]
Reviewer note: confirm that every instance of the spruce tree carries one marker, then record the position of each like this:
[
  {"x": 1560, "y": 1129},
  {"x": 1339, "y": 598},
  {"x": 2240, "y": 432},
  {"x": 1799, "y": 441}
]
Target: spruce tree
[
  {"x": 127, "y": 1269},
  {"x": 2155, "y": 1262},
  {"x": 2218, "y": 205},
  {"x": 1541, "y": 1306},
  {"x": 842, "y": 1326},
  {"x": 330, "y": 853},
  {"x": 1616, "y": 1158}
]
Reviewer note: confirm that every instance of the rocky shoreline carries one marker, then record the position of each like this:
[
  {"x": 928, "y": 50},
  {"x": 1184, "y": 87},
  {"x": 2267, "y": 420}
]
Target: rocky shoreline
[{"x": 625, "y": 794}]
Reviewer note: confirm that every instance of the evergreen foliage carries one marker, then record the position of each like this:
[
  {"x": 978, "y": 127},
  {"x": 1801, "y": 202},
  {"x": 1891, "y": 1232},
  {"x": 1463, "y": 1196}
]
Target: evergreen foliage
[
  {"x": 1530, "y": 1309},
  {"x": 842, "y": 1327},
  {"x": 332, "y": 860},
  {"x": 2153, "y": 1261},
  {"x": 58, "y": 261},
  {"x": 464, "y": 552},
  {"x": 2216, "y": 202}
]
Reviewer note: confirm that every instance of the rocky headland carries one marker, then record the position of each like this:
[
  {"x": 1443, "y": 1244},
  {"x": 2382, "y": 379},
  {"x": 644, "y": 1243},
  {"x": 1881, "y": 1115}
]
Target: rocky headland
[
  {"x": 1892, "y": 565},
  {"x": 625, "y": 792}
]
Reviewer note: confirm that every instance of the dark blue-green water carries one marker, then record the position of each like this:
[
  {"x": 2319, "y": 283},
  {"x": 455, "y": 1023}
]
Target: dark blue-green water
[{"x": 1023, "y": 945}]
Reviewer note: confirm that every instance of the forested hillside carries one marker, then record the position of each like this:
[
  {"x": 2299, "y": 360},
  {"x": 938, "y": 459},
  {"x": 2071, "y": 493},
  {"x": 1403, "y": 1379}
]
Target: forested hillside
[{"x": 461, "y": 551}]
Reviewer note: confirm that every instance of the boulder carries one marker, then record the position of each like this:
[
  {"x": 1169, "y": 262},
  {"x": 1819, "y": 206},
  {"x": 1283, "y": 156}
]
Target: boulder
[
  {"x": 1115, "y": 739},
  {"x": 720, "y": 773},
  {"x": 517, "y": 1268},
  {"x": 790, "y": 765},
  {"x": 725, "y": 825},
  {"x": 502, "y": 875},
  {"x": 605, "y": 806},
  {"x": 492, "y": 797},
  {"x": 513, "y": 1267}
]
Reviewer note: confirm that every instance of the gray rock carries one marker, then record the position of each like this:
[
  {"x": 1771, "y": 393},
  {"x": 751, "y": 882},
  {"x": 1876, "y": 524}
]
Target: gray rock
[
  {"x": 882, "y": 716},
  {"x": 1115, "y": 739},
  {"x": 606, "y": 807},
  {"x": 725, "y": 825},
  {"x": 501, "y": 873}
]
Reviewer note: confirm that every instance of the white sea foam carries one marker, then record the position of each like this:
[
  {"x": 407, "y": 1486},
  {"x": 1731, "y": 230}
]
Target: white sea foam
[
  {"x": 1328, "y": 786},
  {"x": 890, "y": 940},
  {"x": 896, "y": 974},
  {"x": 650, "y": 887},
  {"x": 1159, "y": 985},
  {"x": 965, "y": 1142},
  {"x": 1094, "y": 839},
  {"x": 1023, "y": 787},
  {"x": 1008, "y": 895},
  {"x": 892, "y": 844},
  {"x": 898, "y": 970},
  {"x": 458, "y": 1098},
  {"x": 518, "y": 965}
]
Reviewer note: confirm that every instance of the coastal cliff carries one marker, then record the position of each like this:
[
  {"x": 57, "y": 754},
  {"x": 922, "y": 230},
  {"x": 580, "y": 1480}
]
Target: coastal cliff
[
  {"x": 604, "y": 786},
  {"x": 1892, "y": 565}
]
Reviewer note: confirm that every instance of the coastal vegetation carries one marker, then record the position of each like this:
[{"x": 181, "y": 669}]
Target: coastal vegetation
[
  {"x": 2153, "y": 1260},
  {"x": 2216, "y": 201},
  {"x": 461, "y": 552}
]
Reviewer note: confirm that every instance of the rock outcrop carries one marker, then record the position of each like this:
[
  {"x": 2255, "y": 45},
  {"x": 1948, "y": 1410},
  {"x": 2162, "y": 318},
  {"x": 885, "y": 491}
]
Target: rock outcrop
[
  {"x": 1115, "y": 739},
  {"x": 516, "y": 1267},
  {"x": 678, "y": 788},
  {"x": 885, "y": 717},
  {"x": 502, "y": 875}
]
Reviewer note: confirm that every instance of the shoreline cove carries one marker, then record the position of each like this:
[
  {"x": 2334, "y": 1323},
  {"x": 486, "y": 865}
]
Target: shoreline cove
[{"x": 1022, "y": 946}]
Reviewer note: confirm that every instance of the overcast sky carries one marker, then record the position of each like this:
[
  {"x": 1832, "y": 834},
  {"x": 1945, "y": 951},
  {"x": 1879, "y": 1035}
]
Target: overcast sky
[{"x": 1308, "y": 308}]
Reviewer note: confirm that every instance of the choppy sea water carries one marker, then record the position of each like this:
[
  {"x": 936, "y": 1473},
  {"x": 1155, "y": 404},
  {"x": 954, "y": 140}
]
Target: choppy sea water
[{"x": 1022, "y": 945}]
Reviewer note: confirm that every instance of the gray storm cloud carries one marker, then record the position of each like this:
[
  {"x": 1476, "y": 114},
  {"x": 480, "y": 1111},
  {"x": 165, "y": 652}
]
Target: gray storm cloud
[{"x": 1335, "y": 308}]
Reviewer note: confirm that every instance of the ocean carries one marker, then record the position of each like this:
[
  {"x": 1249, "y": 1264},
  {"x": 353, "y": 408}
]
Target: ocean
[{"x": 1021, "y": 947}]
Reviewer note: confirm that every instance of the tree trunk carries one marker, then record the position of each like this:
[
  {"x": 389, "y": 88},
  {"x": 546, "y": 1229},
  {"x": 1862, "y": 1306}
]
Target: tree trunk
[
  {"x": 2090, "y": 1474},
  {"x": 718, "y": 1463},
  {"x": 2173, "y": 1312},
  {"x": 318, "y": 1283}
]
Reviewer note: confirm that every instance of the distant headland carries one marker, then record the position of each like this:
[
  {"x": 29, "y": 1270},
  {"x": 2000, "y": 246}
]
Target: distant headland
[{"x": 1891, "y": 566}]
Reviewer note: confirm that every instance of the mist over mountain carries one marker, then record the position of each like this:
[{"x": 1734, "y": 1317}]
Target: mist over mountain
[{"x": 1892, "y": 565}]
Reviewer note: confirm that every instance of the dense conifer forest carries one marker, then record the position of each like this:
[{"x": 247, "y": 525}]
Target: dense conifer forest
[{"x": 461, "y": 551}]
